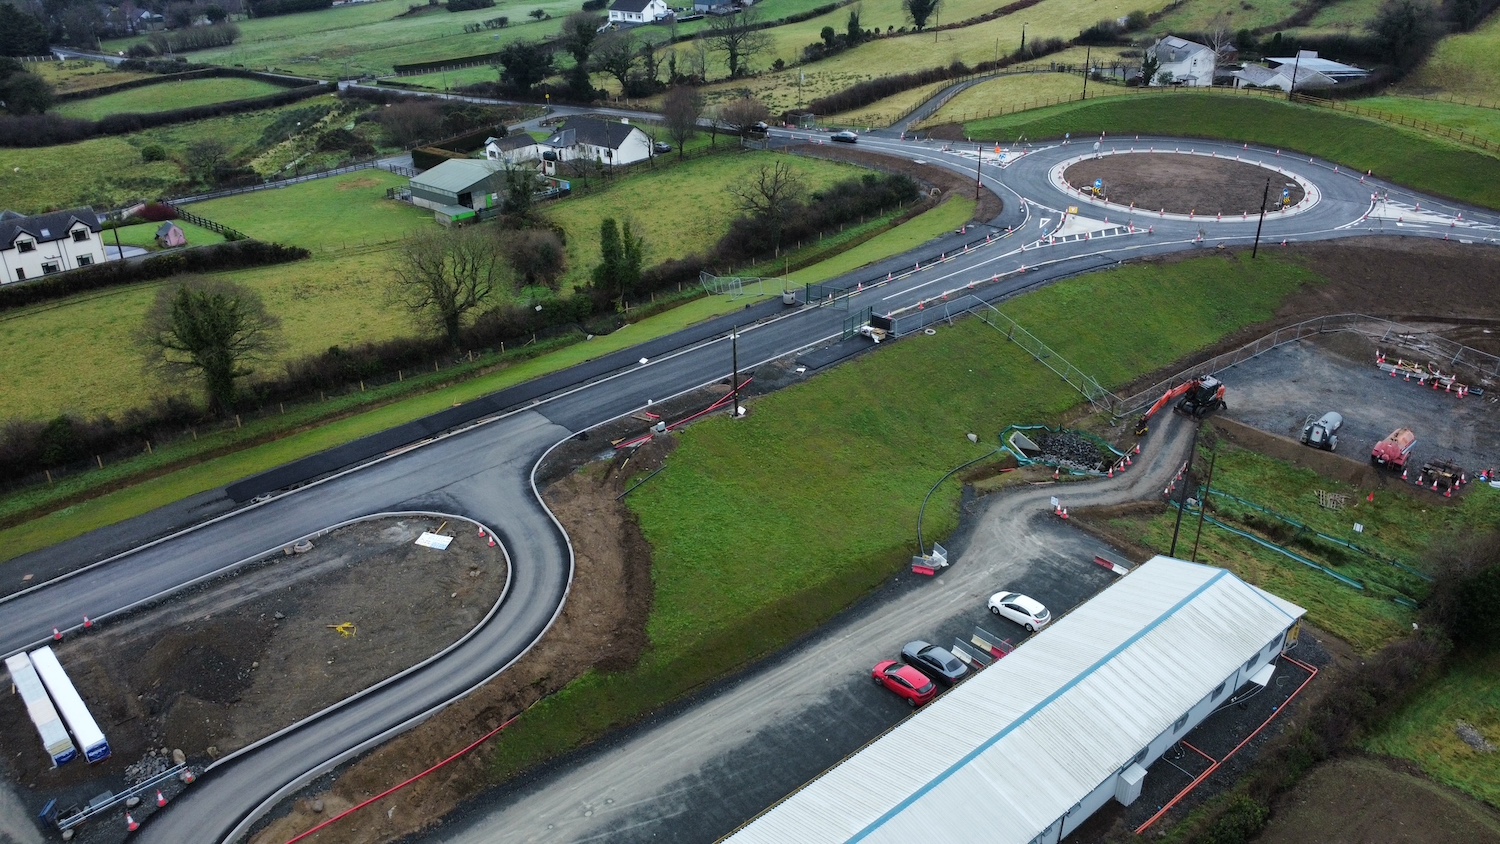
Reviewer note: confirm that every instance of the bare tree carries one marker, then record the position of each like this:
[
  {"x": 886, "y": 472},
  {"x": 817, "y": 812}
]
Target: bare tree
[
  {"x": 771, "y": 196},
  {"x": 1221, "y": 41},
  {"x": 738, "y": 38},
  {"x": 742, "y": 112},
  {"x": 681, "y": 109},
  {"x": 697, "y": 58},
  {"x": 212, "y": 328},
  {"x": 442, "y": 276},
  {"x": 616, "y": 55}
]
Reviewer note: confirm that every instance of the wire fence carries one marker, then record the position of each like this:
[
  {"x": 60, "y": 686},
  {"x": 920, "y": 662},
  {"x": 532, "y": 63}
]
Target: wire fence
[{"x": 1402, "y": 120}]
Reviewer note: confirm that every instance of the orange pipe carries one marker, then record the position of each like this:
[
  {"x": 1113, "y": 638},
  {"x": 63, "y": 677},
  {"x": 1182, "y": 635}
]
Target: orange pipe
[{"x": 1313, "y": 672}]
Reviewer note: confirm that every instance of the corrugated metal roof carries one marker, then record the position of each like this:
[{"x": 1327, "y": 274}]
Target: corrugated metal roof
[
  {"x": 457, "y": 175},
  {"x": 1005, "y": 754}
]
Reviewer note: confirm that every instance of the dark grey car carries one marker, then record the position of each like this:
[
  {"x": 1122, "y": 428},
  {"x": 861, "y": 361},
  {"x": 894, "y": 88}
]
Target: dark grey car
[{"x": 937, "y": 663}]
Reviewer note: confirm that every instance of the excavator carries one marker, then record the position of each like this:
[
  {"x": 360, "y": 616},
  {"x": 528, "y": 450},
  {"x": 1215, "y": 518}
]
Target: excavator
[{"x": 1196, "y": 398}]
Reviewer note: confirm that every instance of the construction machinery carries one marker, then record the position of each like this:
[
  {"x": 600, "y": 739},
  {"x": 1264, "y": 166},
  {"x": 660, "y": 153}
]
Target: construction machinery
[
  {"x": 1324, "y": 432},
  {"x": 1196, "y": 398},
  {"x": 1392, "y": 452},
  {"x": 1444, "y": 475}
]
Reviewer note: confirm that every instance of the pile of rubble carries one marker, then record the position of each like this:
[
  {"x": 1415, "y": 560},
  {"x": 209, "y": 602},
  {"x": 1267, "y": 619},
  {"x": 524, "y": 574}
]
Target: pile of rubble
[
  {"x": 1071, "y": 451},
  {"x": 152, "y": 764}
]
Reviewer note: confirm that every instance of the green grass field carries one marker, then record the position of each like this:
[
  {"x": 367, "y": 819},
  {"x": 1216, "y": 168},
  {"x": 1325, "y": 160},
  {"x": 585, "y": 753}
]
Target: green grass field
[
  {"x": 370, "y": 39},
  {"x": 144, "y": 235},
  {"x": 1425, "y": 732},
  {"x": 1434, "y": 166},
  {"x": 167, "y": 96},
  {"x": 1014, "y": 93},
  {"x": 334, "y": 214},
  {"x": 1463, "y": 65},
  {"x": 696, "y": 213},
  {"x": 75, "y": 76},
  {"x": 1204, "y": 15},
  {"x": 109, "y": 172},
  {"x": 1481, "y": 122}
]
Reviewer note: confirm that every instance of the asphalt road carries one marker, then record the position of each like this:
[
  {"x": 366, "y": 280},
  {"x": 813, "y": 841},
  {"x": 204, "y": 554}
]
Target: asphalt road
[{"x": 484, "y": 473}]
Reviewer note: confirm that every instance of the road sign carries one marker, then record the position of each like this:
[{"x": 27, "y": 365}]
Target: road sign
[{"x": 1098, "y": 184}]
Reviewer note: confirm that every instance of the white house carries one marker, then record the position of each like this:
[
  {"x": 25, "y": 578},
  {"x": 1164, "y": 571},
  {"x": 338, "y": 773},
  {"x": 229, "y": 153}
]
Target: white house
[
  {"x": 627, "y": 12},
  {"x": 512, "y": 148},
  {"x": 609, "y": 142},
  {"x": 1188, "y": 62},
  {"x": 1024, "y": 751},
  {"x": 48, "y": 243}
]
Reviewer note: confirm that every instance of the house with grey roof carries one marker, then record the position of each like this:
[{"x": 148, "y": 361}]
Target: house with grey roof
[
  {"x": 637, "y": 12},
  {"x": 48, "y": 243},
  {"x": 609, "y": 142},
  {"x": 1264, "y": 77},
  {"x": 512, "y": 149},
  {"x": 1183, "y": 62}
]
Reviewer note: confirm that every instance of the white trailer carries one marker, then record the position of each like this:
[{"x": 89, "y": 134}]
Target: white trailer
[
  {"x": 74, "y": 712},
  {"x": 49, "y": 726}
]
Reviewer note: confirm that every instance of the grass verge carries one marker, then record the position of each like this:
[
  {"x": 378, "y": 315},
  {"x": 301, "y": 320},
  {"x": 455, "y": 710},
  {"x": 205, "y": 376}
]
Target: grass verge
[{"x": 1411, "y": 159}]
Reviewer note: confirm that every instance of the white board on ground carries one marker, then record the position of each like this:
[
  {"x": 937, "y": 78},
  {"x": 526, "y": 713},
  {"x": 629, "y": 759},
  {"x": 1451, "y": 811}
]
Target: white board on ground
[{"x": 433, "y": 540}]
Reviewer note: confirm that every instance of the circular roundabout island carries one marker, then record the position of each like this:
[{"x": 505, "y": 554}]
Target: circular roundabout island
[{"x": 1183, "y": 183}]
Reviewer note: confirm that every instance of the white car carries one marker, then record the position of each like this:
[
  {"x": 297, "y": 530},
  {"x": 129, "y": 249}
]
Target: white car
[{"x": 1024, "y": 611}]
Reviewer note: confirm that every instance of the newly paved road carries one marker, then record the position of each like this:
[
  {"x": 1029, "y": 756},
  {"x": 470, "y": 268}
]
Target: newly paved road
[{"x": 484, "y": 473}]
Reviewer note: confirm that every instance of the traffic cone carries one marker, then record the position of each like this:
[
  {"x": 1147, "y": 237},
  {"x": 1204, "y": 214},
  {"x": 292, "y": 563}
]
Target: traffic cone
[
  {"x": 1056, "y": 474},
  {"x": 492, "y": 542},
  {"x": 161, "y": 799},
  {"x": 1434, "y": 484},
  {"x": 1448, "y": 493},
  {"x": 1065, "y": 513},
  {"x": 56, "y": 635},
  {"x": 1403, "y": 474},
  {"x": 1137, "y": 448},
  {"x": 1111, "y": 472},
  {"x": 921, "y": 306},
  {"x": 1393, "y": 372},
  {"x": 887, "y": 276},
  {"x": 88, "y": 623},
  {"x": 481, "y": 533},
  {"x": 187, "y": 777},
  {"x": 131, "y": 824},
  {"x": 1127, "y": 459},
  {"x": 1371, "y": 499}
]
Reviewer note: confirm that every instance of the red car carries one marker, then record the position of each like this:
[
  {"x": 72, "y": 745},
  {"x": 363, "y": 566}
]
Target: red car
[{"x": 905, "y": 681}]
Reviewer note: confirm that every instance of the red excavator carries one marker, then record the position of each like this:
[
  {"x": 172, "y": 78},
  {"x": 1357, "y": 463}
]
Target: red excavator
[{"x": 1196, "y": 398}]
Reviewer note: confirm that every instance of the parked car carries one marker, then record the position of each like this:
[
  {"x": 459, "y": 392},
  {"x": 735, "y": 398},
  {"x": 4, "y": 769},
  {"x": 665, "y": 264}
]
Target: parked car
[
  {"x": 661, "y": 147},
  {"x": 844, "y": 137},
  {"x": 905, "y": 681},
  {"x": 1024, "y": 611},
  {"x": 938, "y": 663}
]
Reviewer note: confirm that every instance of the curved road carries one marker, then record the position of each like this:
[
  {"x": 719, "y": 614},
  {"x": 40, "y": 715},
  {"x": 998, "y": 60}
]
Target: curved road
[{"x": 484, "y": 473}]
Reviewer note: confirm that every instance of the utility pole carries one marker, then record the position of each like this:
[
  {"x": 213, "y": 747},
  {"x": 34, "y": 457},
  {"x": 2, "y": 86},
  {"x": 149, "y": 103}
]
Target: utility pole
[
  {"x": 1203, "y": 505},
  {"x": 1263, "y": 197},
  {"x": 1186, "y": 482},
  {"x": 1291, "y": 87},
  {"x": 734, "y": 378},
  {"x": 1086, "y": 56},
  {"x": 978, "y": 163}
]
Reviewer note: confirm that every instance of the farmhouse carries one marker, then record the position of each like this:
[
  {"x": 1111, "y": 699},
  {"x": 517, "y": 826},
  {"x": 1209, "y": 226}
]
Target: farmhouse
[
  {"x": 1183, "y": 62},
  {"x": 459, "y": 187},
  {"x": 48, "y": 243},
  {"x": 512, "y": 148},
  {"x": 1033, "y": 745},
  {"x": 608, "y": 142},
  {"x": 628, "y": 12}
]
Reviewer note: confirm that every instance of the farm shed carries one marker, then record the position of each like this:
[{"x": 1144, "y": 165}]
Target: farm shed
[
  {"x": 1032, "y": 746},
  {"x": 457, "y": 188}
]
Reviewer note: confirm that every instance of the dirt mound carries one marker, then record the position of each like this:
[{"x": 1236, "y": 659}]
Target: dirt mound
[{"x": 1182, "y": 183}]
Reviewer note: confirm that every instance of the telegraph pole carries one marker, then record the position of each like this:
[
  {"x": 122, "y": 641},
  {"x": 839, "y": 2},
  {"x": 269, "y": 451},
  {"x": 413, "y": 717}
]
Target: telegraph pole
[
  {"x": 734, "y": 378},
  {"x": 1203, "y": 504},
  {"x": 978, "y": 163},
  {"x": 1086, "y": 56},
  {"x": 1186, "y": 482},
  {"x": 1263, "y": 198}
]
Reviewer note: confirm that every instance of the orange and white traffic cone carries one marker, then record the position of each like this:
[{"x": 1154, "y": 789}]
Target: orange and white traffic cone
[
  {"x": 1111, "y": 472},
  {"x": 1448, "y": 493},
  {"x": 1056, "y": 474},
  {"x": 187, "y": 777},
  {"x": 1064, "y": 514},
  {"x": 481, "y": 533},
  {"x": 492, "y": 542},
  {"x": 161, "y": 799},
  {"x": 88, "y": 623},
  {"x": 56, "y": 635},
  {"x": 1403, "y": 474},
  {"x": 131, "y": 824}
]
